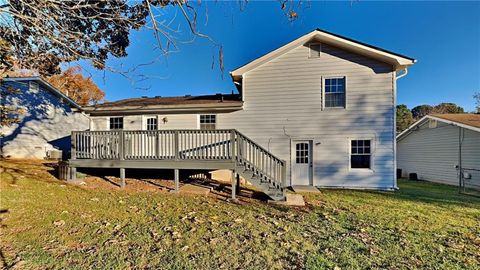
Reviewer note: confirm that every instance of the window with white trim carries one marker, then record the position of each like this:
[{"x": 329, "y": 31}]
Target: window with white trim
[
  {"x": 152, "y": 123},
  {"x": 334, "y": 92},
  {"x": 360, "y": 154},
  {"x": 208, "y": 121},
  {"x": 315, "y": 50},
  {"x": 116, "y": 123}
]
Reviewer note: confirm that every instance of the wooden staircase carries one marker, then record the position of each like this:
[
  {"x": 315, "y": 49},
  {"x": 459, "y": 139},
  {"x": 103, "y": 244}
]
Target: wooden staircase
[{"x": 260, "y": 167}]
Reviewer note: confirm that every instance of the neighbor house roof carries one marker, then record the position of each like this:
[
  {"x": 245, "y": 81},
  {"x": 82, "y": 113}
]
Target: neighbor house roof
[
  {"x": 398, "y": 61},
  {"x": 465, "y": 120},
  {"x": 46, "y": 85},
  {"x": 164, "y": 104}
]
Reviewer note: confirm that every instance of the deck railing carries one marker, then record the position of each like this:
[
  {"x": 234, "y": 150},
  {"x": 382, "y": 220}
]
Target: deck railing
[{"x": 205, "y": 145}]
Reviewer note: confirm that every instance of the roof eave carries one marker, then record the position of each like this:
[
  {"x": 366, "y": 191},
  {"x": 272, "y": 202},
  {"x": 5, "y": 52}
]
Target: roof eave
[
  {"x": 398, "y": 61},
  {"x": 165, "y": 108}
]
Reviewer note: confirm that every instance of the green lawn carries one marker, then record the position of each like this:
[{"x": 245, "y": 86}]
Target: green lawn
[{"x": 49, "y": 224}]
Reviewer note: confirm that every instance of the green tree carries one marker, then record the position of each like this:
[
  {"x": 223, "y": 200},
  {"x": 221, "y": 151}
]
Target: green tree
[
  {"x": 404, "y": 118},
  {"x": 421, "y": 110},
  {"x": 447, "y": 108}
]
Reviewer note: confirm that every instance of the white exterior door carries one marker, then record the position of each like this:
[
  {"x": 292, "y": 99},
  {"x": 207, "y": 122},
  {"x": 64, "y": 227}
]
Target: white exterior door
[{"x": 302, "y": 162}]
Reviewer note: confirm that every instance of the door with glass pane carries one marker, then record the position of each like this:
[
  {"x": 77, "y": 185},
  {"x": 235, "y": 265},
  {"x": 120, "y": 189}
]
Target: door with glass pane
[{"x": 302, "y": 169}]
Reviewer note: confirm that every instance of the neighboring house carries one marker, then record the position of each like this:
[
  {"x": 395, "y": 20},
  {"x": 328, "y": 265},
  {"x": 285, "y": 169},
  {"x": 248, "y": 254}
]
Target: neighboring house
[
  {"x": 435, "y": 145},
  {"x": 49, "y": 118},
  {"x": 323, "y": 104}
]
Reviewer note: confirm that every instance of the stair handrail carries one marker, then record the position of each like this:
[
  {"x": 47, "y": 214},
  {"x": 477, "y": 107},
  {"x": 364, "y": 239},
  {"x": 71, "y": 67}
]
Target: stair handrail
[{"x": 280, "y": 179}]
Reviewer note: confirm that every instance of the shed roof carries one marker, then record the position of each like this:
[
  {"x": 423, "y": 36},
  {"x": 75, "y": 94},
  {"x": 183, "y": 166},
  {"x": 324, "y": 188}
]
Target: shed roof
[
  {"x": 468, "y": 119},
  {"x": 465, "y": 120}
]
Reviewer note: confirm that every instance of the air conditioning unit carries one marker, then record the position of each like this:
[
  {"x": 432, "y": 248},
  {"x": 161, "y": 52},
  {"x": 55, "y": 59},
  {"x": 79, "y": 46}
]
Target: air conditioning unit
[{"x": 54, "y": 154}]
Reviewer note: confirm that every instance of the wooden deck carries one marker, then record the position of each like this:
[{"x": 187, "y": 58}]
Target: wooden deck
[{"x": 180, "y": 149}]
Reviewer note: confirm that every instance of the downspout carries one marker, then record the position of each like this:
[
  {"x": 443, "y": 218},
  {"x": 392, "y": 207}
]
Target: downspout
[
  {"x": 394, "y": 84},
  {"x": 460, "y": 168}
]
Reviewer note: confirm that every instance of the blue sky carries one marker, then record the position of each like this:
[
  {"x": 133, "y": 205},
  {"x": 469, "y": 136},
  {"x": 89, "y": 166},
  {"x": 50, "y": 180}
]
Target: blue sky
[{"x": 443, "y": 36}]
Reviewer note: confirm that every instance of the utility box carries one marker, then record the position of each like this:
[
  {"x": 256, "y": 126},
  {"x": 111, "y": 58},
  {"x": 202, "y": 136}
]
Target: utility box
[{"x": 54, "y": 154}]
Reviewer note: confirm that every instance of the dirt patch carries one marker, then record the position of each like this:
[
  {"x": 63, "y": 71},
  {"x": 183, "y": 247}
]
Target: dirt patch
[{"x": 133, "y": 185}]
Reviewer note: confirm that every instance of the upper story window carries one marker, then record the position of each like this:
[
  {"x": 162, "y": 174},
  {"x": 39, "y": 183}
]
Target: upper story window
[
  {"x": 208, "y": 121},
  {"x": 116, "y": 123},
  {"x": 334, "y": 92},
  {"x": 315, "y": 50},
  {"x": 152, "y": 123},
  {"x": 360, "y": 154}
]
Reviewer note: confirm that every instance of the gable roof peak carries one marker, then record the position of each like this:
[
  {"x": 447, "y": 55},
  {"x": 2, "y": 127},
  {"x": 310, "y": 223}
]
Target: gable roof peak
[{"x": 398, "y": 61}]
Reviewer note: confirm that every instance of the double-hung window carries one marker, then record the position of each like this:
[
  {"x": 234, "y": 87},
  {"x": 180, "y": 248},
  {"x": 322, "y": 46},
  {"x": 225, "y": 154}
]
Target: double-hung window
[
  {"x": 116, "y": 123},
  {"x": 152, "y": 123},
  {"x": 361, "y": 154},
  {"x": 208, "y": 121},
  {"x": 334, "y": 92}
]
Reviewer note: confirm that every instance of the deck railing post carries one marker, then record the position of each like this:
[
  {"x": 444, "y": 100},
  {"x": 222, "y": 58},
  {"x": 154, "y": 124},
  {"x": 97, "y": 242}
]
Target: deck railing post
[
  {"x": 121, "y": 146},
  {"x": 177, "y": 153},
  {"x": 73, "y": 146},
  {"x": 284, "y": 176},
  {"x": 232, "y": 144}
]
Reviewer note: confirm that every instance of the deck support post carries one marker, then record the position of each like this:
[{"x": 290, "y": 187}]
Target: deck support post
[
  {"x": 122, "y": 177},
  {"x": 72, "y": 174},
  {"x": 238, "y": 183},
  {"x": 177, "y": 179},
  {"x": 234, "y": 189}
]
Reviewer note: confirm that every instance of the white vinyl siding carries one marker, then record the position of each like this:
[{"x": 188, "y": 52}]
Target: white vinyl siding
[
  {"x": 281, "y": 104},
  {"x": 432, "y": 153}
]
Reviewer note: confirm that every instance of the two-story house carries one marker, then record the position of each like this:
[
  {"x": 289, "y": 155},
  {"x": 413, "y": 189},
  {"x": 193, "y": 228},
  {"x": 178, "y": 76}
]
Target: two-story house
[{"x": 321, "y": 109}]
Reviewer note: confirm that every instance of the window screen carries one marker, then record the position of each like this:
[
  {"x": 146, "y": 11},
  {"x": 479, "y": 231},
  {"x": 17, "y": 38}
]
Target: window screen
[
  {"x": 335, "y": 92},
  {"x": 301, "y": 153},
  {"x": 116, "y": 122},
  {"x": 208, "y": 121},
  {"x": 152, "y": 123},
  {"x": 360, "y": 154}
]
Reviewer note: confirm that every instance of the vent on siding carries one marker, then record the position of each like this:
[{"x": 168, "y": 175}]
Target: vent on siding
[
  {"x": 315, "y": 50},
  {"x": 432, "y": 123}
]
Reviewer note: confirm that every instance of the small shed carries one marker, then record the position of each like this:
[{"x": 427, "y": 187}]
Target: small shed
[{"x": 439, "y": 146}]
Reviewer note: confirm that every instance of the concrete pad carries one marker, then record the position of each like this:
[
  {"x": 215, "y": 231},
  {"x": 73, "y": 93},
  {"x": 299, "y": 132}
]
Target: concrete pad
[
  {"x": 292, "y": 200},
  {"x": 310, "y": 189},
  {"x": 194, "y": 190}
]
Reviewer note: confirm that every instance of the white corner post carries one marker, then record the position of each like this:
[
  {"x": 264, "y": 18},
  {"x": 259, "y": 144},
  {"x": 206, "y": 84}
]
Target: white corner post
[{"x": 122, "y": 178}]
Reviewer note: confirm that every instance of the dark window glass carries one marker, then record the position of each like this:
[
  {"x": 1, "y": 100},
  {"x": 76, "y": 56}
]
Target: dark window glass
[
  {"x": 116, "y": 122},
  {"x": 301, "y": 153},
  {"x": 335, "y": 92},
  {"x": 360, "y": 154},
  {"x": 152, "y": 123},
  {"x": 208, "y": 121}
]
